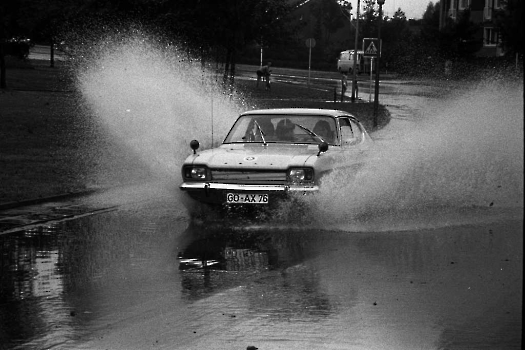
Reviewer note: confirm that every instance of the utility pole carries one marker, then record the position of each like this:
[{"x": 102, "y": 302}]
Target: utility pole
[
  {"x": 376, "y": 93},
  {"x": 261, "y": 52},
  {"x": 354, "y": 80}
]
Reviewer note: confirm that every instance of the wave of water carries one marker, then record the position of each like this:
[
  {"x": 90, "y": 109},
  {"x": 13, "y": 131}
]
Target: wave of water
[
  {"x": 153, "y": 98},
  {"x": 465, "y": 154}
]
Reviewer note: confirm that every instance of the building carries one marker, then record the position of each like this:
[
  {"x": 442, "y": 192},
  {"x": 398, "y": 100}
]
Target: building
[{"x": 482, "y": 12}]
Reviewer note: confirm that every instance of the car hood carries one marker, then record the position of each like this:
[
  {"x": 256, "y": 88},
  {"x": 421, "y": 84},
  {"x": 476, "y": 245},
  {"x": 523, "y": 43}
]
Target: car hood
[{"x": 272, "y": 156}]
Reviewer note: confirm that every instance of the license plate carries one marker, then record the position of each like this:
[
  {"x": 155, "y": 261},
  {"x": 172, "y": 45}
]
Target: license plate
[{"x": 246, "y": 198}]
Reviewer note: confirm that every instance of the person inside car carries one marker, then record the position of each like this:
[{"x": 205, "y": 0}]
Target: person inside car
[
  {"x": 267, "y": 127},
  {"x": 322, "y": 128},
  {"x": 285, "y": 130}
]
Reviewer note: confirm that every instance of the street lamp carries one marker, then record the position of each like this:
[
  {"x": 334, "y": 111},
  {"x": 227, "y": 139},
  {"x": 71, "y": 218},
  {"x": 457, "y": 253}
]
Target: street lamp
[
  {"x": 354, "y": 80},
  {"x": 376, "y": 93}
]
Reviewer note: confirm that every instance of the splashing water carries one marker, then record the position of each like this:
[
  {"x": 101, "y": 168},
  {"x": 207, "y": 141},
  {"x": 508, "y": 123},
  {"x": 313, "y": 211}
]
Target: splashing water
[
  {"x": 466, "y": 154},
  {"x": 153, "y": 99}
]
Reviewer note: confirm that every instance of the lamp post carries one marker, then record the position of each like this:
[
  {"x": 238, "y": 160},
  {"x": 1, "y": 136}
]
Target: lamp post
[
  {"x": 354, "y": 80},
  {"x": 376, "y": 92}
]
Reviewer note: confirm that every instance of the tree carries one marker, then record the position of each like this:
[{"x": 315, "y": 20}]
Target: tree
[
  {"x": 396, "y": 37},
  {"x": 227, "y": 25},
  {"x": 10, "y": 13},
  {"x": 203, "y": 26},
  {"x": 430, "y": 23},
  {"x": 329, "y": 20},
  {"x": 457, "y": 38},
  {"x": 368, "y": 18},
  {"x": 509, "y": 22}
]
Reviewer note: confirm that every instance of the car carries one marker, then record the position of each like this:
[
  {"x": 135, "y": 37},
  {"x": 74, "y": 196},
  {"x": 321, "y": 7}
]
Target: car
[
  {"x": 270, "y": 154},
  {"x": 345, "y": 62},
  {"x": 18, "y": 46}
]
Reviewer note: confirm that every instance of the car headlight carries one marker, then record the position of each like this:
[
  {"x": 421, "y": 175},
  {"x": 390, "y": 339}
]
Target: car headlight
[
  {"x": 300, "y": 175},
  {"x": 195, "y": 172}
]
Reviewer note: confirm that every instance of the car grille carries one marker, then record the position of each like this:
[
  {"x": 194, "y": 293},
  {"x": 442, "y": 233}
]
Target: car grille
[{"x": 249, "y": 177}]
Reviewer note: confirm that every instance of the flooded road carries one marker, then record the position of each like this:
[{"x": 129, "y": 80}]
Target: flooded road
[{"x": 134, "y": 279}]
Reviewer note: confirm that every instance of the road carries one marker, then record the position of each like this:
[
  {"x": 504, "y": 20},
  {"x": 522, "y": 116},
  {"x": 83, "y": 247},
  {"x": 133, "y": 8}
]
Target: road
[{"x": 411, "y": 259}]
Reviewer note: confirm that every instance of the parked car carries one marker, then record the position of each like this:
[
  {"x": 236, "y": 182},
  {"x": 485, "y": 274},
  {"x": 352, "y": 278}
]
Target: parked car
[
  {"x": 269, "y": 154},
  {"x": 345, "y": 62},
  {"x": 18, "y": 47}
]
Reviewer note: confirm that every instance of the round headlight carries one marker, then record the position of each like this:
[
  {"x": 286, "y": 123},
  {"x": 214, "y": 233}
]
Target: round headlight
[
  {"x": 297, "y": 174},
  {"x": 300, "y": 175},
  {"x": 195, "y": 172},
  {"x": 198, "y": 173}
]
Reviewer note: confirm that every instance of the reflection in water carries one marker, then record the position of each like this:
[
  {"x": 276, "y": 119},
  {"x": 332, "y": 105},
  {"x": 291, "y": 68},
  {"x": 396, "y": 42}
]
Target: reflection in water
[
  {"x": 56, "y": 280},
  {"x": 32, "y": 289},
  {"x": 117, "y": 279},
  {"x": 272, "y": 259}
]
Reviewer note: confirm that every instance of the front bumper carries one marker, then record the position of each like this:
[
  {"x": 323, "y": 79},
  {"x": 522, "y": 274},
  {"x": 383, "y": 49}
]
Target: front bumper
[{"x": 215, "y": 193}]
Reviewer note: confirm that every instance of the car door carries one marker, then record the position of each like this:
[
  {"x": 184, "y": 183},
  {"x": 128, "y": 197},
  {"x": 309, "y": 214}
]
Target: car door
[
  {"x": 353, "y": 143},
  {"x": 351, "y": 134}
]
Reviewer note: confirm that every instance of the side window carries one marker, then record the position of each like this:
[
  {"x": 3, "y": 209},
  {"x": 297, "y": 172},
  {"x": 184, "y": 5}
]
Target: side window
[
  {"x": 350, "y": 132},
  {"x": 356, "y": 130}
]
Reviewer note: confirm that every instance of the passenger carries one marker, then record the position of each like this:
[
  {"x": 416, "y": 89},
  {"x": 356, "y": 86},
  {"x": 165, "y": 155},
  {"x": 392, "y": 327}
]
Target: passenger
[
  {"x": 322, "y": 128},
  {"x": 285, "y": 130},
  {"x": 267, "y": 127}
]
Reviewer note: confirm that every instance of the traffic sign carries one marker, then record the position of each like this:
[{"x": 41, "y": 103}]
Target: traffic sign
[
  {"x": 371, "y": 47},
  {"x": 310, "y": 43}
]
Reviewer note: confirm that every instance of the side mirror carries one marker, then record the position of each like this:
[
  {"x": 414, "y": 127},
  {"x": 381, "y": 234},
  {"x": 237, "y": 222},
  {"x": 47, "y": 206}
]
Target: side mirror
[
  {"x": 323, "y": 147},
  {"x": 194, "y": 144}
]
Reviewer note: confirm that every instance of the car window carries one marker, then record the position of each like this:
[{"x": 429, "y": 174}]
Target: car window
[
  {"x": 325, "y": 130},
  {"x": 251, "y": 129},
  {"x": 282, "y": 129},
  {"x": 351, "y": 133}
]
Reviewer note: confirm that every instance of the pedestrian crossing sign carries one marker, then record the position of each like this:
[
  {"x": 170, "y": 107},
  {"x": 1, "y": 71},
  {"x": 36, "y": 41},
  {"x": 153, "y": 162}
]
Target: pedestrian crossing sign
[
  {"x": 371, "y": 50},
  {"x": 371, "y": 47}
]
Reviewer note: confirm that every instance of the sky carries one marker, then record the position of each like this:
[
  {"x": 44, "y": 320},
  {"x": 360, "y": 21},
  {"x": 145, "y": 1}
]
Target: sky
[{"x": 411, "y": 8}]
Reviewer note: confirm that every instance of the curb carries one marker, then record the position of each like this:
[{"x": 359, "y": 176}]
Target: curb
[{"x": 34, "y": 201}]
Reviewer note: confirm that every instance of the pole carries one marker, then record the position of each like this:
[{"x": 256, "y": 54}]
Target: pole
[
  {"x": 309, "y": 62},
  {"x": 354, "y": 80},
  {"x": 371, "y": 79},
  {"x": 52, "y": 51},
  {"x": 261, "y": 52},
  {"x": 376, "y": 93}
]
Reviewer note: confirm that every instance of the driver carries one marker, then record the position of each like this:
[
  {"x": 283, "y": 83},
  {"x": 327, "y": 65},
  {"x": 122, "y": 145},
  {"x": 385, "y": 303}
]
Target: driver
[
  {"x": 285, "y": 130},
  {"x": 322, "y": 128}
]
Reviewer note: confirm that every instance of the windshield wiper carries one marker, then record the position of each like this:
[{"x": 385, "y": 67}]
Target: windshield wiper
[
  {"x": 311, "y": 132},
  {"x": 261, "y": 131}
]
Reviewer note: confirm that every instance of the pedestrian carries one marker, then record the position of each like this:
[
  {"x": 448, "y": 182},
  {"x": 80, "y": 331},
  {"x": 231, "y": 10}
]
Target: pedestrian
[
  {"x": 259, "y": 76},
  {"x": 343, "y": 85},
  {"x": 356, "y": 89},
  {"x": 264, "y": 72}
]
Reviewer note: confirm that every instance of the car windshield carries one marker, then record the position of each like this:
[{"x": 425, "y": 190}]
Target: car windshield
[{"x": 283, "y": 129}]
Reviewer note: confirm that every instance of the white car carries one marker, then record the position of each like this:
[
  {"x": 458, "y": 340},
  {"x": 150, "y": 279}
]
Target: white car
[
  {"x": 271, "y": 153},
  {"x": 345, "y": 62}
]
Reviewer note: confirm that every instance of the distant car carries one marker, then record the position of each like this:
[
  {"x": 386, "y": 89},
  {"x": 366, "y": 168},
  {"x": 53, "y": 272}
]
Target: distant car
[
  {"x": 18, "y": 47},
  {"x": 269, "y": 154},
  {"x": 345, "y": 62}
]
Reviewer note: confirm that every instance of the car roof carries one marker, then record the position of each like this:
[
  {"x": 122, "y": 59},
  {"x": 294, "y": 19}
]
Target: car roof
[{"x": 300, "y": 111}]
